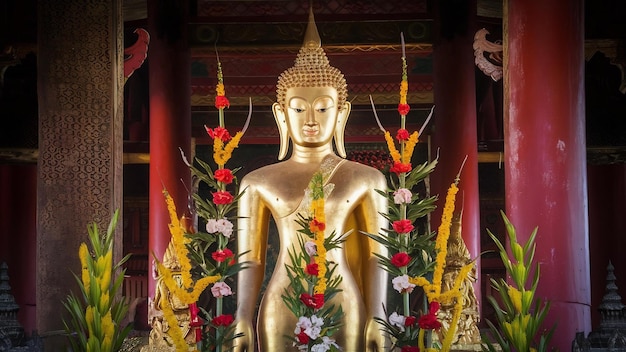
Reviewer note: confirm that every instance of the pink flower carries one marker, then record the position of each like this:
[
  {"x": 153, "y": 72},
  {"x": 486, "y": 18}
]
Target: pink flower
[
  {"x": 409, "y": 349},
  {"x": 310, "y": 247},
  {"x": 402, "y": 226},
  {"x": 224, "y": 176},
  {"x": 402, "y": 195},
  {"x": 410, "y": 321},
  {"x": 221, "y": 289}
]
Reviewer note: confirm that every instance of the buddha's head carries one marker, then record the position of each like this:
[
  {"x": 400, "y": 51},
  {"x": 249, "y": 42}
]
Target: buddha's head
[{"x": 315, "y": 82}]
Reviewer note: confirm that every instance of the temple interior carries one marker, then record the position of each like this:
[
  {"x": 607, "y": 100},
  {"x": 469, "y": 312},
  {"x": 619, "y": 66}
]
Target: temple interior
[{"x": 95, "y": 125}]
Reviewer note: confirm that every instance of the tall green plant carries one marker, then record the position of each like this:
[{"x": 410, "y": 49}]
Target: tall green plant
[
  {"x": 96, "y": 316},
  {"x": 519, "y": 314}
]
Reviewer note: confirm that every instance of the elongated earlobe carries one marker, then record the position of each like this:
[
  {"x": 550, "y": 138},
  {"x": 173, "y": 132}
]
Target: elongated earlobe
[
  {"x": 279, "y": 116},
  {"x": 340, "y": 129}
]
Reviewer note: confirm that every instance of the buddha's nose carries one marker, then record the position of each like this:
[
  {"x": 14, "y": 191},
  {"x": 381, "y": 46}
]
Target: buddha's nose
[{"x": 310, "y": 117}]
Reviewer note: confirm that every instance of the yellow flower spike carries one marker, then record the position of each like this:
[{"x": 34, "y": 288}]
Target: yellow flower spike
[
  {"x": 89, "y": 319},
  {"x": 516, "y": 298},
  {"x": 442, "y": 236},
  {"x": 395, "y": 154},
  {"x": 174, "y": 331},
  {"x": 409, "y": 147},
  {"x": 219, "y": 89},
  {"x": 527, "y": 300},
  {"x": 404, "y": 89},
  {"x": 104, "y": 303}
]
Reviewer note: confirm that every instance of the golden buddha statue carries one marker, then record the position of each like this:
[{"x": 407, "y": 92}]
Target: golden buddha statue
[{"x": 311, "y": 110}]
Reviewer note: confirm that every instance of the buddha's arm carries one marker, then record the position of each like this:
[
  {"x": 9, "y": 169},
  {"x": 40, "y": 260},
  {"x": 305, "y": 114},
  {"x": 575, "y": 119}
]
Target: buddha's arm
[
  {"x": 252, "y": 228},
  {"x": 375, "y": 278}
]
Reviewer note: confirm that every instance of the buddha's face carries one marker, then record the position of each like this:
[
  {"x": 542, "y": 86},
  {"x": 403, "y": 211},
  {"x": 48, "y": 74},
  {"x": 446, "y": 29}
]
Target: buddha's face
[{"x": 311, "y": 115}]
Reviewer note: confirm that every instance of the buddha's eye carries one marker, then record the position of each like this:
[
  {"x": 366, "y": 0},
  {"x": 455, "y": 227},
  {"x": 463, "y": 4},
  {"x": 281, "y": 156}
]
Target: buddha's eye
[
  {"x": 324, "y": 109},
  {"x": 297, "y": 110}
]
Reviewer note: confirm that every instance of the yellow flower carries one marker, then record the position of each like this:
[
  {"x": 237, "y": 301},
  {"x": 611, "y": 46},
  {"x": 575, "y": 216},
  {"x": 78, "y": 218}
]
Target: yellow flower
[
  {"x": 404, "y": 89},
  {"x": 516, "y": 298},
  {"x": 395, "y": 154},
  {"x": 221, "y": 153},
  {"x": 219, "y": 89},
  {"x": 409, "y": 147}
]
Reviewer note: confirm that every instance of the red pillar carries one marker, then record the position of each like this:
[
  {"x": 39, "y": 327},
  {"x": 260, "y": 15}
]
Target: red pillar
[
  {"x": 170, "y": 118},
  {"x": 545, "y": 159},
  {"x": 455, "y": 135}
]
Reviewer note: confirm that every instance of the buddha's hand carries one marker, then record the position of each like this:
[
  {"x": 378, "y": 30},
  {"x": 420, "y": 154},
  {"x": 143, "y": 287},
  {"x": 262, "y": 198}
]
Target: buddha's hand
[
  {"x": 244, "y": 343},
  {"x": 375, "y": 340}
]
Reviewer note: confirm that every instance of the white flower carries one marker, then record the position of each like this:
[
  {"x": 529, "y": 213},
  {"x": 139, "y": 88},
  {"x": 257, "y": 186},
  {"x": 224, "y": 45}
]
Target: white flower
[
  {"x": 327, "y": 342},
  {"x": 225, "y": 227},
  {"x": 302, "y": 324},
  {"x": 397, "y": 320},
  {"x": 222, "y": 225},
  {"x": 402, "y": 195},
  {"x": 402, "y": 284},
  {"x": 310, "y": 248},
  {"x": 211, "y": 226},
  {"x": 221, "y": 289}
]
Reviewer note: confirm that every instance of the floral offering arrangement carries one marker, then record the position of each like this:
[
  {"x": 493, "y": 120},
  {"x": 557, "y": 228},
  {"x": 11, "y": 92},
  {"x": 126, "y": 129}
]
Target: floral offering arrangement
[
  {"x": 96, "y": 318},
  {"x": 520, "y": 315},
  {"x": 412, "y": 259},
  {"x": 205, "y": 257},
  {"x": 313, "y": 282}
]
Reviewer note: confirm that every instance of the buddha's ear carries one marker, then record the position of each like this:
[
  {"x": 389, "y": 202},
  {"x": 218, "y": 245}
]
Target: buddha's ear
[
  {"x": 281, "y": 122},
  {"x": 340, "y": 128}
]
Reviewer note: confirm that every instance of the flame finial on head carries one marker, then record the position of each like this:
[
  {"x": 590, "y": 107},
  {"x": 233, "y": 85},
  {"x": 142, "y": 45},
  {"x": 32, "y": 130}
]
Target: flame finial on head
[{"x": 312, "y": 68}]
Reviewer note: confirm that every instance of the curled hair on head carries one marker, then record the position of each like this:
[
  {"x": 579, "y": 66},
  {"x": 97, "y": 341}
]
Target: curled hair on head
[{"x": 312, "y": 69}]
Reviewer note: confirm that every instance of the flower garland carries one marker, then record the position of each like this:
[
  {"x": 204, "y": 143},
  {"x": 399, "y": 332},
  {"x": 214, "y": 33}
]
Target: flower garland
[
  {"x": 204, "y": 257},
  {"x": 313, "y": 282},
  {"x": 406, "y": 246}
]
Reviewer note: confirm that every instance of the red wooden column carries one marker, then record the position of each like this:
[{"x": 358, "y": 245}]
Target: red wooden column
[
  {"x": 545, "y": 159},
  {"x": 454, "y": 119},
  {"x": 170, "y": 118}
]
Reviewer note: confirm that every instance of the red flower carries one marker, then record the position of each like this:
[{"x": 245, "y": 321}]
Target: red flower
[
  {"x": 402, "y": 135},
  {"x": 410, "y": 320},
  {"x": 218, "y": 132},
  {"x": 399, "y": 167},
  {"x": 429, "y": 321},
  {"x": 312, "y": 269},
  {"x": 223, "y": 320},
  {"x": 316, "y": 226},
  {"x": 403, "y": 109},
  {"x": 221, "y": 255},
  {"x": 400, "y": 259},
  {"x": 224, "y": 175},
  {"x": 221, "y": 102},
  {"x": 402, "y": 226},
  {"x": 315, "y": 301},
  {"x": 222, "y": 197},
  {"x": 303, "y": 338},
  {"x": 409, "y": 349}
]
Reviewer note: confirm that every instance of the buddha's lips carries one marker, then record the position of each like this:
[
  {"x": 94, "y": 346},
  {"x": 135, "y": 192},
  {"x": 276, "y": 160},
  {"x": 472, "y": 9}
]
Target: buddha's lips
[{"x": 310, "y": 131}]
